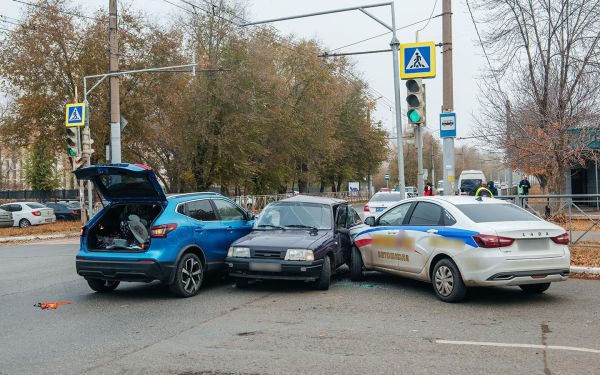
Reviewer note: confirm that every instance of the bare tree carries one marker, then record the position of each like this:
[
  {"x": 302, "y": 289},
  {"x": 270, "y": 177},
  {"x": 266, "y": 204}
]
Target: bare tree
[{"x": 540, "y": 98}]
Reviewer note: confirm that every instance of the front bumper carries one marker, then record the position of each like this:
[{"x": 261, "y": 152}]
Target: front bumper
[
  {"x": 287, "y": 270},
  {"x": 143, "y": 270}
]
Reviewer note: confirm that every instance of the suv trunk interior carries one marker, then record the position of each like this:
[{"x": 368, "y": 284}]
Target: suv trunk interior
[{"x": 124, "y": 227}]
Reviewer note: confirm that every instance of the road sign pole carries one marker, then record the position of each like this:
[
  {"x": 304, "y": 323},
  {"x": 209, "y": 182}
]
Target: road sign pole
[
  {"x": 395, "y": 44},
  {"x": 448, "y": 97}
]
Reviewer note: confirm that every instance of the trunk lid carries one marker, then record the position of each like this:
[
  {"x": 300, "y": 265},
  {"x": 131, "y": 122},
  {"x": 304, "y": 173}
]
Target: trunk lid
[
  {"x": 124, "y": 182},
  {"x": 533, "y": 239}
]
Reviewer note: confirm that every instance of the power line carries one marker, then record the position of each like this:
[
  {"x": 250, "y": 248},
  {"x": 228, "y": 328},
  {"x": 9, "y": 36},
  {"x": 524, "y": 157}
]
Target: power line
[
  {"x": 430, "y": 15},
  {"x": 56, "y": 10},
  {"x": 483, "y": 47},
  {"x": 178, "y": 6},
  {"x": 387, "y": 32}
]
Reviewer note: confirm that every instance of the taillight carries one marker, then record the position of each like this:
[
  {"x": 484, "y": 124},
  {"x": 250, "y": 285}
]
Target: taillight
[
  {"x": 366, "y": 209},
  {"x": 486, "y": 240},
  {"x": 36, "y": 213},
  {"x": 161, "y": 231},
  {"x": 563, "y": 239},
  {"x": 74, "y": 212}
]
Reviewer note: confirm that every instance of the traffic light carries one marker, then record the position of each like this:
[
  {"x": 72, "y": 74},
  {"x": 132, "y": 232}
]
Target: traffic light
[
  {"x": 77, "y": 162},
  {"x": 415, "y": 101},
  {"x": 72, "y": 150}
]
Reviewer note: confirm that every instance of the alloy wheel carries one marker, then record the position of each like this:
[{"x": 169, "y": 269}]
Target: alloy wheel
[
  {"x": 444, "y": 281},
  {"x": 191, "y": 275}
]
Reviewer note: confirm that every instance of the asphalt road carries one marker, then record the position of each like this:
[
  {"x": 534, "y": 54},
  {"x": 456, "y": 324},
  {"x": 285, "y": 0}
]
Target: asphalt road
[{"x": 384, "y": 325}]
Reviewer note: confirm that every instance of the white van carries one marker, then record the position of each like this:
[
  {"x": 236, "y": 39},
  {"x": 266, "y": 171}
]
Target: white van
[{"x": 469, "y": 181}]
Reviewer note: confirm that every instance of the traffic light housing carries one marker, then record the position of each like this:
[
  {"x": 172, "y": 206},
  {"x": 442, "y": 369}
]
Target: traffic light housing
[
  {"x": 72, "y": 150},
  {"x": 416, "y": 101},
  {"x": 86, "y": 142}
]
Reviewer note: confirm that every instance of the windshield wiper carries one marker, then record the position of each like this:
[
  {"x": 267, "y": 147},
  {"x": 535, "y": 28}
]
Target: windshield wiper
[
  {"x": 302, "y": 226},
  {"x": 269, "y": 226}
]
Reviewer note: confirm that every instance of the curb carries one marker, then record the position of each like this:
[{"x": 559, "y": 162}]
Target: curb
[
  {"x": 38, "y": 237},
  {"x": 581, "y": 269}
]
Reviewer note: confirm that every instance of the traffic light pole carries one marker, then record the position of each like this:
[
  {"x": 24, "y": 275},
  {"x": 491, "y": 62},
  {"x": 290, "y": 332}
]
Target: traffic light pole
[{"x": 395, "y": 44}]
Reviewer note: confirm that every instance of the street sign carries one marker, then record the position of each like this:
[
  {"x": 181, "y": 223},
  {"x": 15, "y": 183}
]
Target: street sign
[
  {"x": 75, "y": 115},
  {"x": 386, "y": 177},
  {"x": 448, "y": 125},
  {"x": 425, "y": 173},
  {"x": 417, "y": 60}
]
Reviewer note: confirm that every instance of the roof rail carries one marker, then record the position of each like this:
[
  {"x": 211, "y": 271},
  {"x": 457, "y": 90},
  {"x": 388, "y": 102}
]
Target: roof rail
[{"x": 180, "y": 195}]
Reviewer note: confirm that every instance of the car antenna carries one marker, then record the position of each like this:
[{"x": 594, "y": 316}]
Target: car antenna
[{"x": 479, "y": 199}]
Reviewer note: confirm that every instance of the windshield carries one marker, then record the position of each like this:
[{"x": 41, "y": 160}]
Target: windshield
[
  {"x": 295, "y": 215},
  {"x": 470, "y": 184},
  {"x": 386, "y": 197},
  {"x": 487, "y": 213}
]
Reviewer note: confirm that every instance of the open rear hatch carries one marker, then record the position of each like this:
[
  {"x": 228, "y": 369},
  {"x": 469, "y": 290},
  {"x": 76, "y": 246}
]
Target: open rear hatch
[{"x": 136, "y": 200}]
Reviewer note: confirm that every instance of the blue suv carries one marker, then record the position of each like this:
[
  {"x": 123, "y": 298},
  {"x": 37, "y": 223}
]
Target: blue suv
[{"x": 143, "y": 235}]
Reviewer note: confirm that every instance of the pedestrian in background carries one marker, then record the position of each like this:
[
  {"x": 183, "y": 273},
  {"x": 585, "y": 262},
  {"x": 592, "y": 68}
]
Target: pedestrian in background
[
  {"x": 428, "y": 189},
  {"x": 493, "y": 189},
  {"x": 524, "y": 186},
  {"x": 483, "y": 191}
]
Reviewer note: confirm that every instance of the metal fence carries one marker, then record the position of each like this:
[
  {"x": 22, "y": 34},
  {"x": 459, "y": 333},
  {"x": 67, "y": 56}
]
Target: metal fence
[
  {"x": 38, "y": 195},
  {"x": 580, "y": 213},
  {"x": 255, "y": 203}
]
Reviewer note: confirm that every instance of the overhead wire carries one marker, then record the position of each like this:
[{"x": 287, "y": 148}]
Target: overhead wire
[
  {"x": 56, "y": 10},
  {"x": 430, "y": 15}
]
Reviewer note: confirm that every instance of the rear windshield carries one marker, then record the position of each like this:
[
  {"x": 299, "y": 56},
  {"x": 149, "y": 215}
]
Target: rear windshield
[
  {"x": 470, "y": 184},
  {"x": 386, "y": 197},
  {"x": 119, "y": 186},
  {"x": 487, "y": 213},
  {"x": 35, "y": 205}
]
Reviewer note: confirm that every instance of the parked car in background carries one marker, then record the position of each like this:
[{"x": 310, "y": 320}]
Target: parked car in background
[
  {"x": 72, "y": 203},
  {"x": 64, "y": 212},
  {"x": 380, "y": 202},
  {"x": 440, "y": 188},
  {"x": 6, "y": 219},
  {"x": 142, "y": 235},
  {"x": 300, "y": 238},
  {"x": 29, "y": 213},
  {"x": 469, "y": 181},
  {"x": 411, "y": 191}
]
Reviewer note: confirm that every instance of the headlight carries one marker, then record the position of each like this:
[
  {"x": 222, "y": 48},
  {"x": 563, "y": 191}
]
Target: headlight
[
  {"x": 239, "y": 252},
  {"x": 299, "y": 254}
]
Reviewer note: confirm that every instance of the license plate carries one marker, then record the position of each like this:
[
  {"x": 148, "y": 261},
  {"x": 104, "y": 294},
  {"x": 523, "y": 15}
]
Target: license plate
[
  {"x": 48, "y": 220},
  {"x": 268, "y": 267},
  {"x": 379, "y": 209}
]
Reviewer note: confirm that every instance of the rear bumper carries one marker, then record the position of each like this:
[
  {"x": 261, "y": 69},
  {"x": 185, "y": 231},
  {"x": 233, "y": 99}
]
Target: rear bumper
[
  {"x": 135, "y": 270},
  {"x": 38, "y": 220},
  {"x": 290, "y": 270}
]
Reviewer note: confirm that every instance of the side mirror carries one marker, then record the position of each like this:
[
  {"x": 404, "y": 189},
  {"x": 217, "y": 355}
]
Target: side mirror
[{"x": 370, "y": 221}]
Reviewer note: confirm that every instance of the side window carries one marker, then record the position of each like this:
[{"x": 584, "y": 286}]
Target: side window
[
  {"x": 395, "y": 216},
  {"x": 426, "y": 214},
  {"x": 353, "y": 217},
  {"x": 200, "y": 210},
  {"x": 228, "y": 211},
  {"x": 342, "y": 216},
  {"x": 6, "y": 207},
  {"x": 16, "y": 207},
  {"x": 448, "y": 219}
]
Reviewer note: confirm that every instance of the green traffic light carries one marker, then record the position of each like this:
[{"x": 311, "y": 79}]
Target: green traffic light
[
  {"x": 71, "y": 152},
  {"x": 414, "y": 115}
]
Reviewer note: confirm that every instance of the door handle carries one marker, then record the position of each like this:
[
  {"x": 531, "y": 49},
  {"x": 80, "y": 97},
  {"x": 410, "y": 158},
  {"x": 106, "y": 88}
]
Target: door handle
[
  {"x": 230, "y": 228},
  {"x": 432, "y": 231},
  {"x": 199, "y": 230}
]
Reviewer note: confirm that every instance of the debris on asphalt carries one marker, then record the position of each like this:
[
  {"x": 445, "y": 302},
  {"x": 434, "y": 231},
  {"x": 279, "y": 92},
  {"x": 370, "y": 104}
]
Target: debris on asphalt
[{"x": 50, "y": 305}]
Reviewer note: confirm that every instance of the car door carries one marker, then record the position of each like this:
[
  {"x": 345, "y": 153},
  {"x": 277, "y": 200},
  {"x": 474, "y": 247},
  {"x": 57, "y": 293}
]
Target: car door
[
  {"x": 426, "y": 220},
  {"x": 237, "y": 222},
  {"x": 342, "y": 233},
  {"x": 18, "y": 212},
  {"x": 384, "y": 251},
  {"x": 209, "y": 233}
]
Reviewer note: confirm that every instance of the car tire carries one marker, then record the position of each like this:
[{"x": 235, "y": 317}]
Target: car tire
[
  {"x": 102, "y": 285},
  {"x": 24, "y": 223},
  {"x": 535, "y": 288},
  {"x": 188, "y": 276},
  {"x": 447, "y": 281},
  {"x": 324, "y": 279},
  {"x": 356, "y": 265}
]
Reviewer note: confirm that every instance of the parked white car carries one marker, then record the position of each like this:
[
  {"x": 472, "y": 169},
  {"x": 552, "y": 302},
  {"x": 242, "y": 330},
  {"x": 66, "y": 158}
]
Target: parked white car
[
  {"x": 380, "y": 202},
  {"x": 29, "y": 213},
  {"x": 6, "y": 219}
]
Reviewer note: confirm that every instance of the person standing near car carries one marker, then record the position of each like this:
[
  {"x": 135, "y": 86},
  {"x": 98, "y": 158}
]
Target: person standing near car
[
  {"x": 524, "y": 186},
  {"x": 483, "y": 191},
  {"x": 492, "y": 188},
  {"x": 428, "y": 189}
]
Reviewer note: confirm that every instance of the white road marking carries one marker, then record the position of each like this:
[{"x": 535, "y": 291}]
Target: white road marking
[{"x": 511, "y": 345}]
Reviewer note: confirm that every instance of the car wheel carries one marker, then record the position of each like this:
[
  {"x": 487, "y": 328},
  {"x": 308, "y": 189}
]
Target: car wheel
[
  {"x": 356, "y": 265},
  {"x": 24, "y": 223},
  {"x": 447, "y": 281},
  {"x": 535, "y": 288},
  {"x": 103, "y": 286},
  {"x": 325, "y": 277},
  {"x": 242, "y": 283},
  {"x": 188, "y": 276}
]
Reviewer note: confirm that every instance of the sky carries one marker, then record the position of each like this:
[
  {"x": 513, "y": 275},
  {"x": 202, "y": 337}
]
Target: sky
[{"x": 336, "y": 30}]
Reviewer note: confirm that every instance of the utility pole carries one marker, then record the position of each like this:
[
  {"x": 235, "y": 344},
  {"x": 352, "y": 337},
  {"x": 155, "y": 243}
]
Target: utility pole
[
  {"x": 448, "y": 95},
  {"x": 115, "y": 110}
]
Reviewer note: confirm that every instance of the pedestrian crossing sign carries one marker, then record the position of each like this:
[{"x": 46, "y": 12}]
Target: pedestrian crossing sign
[
  {"x": 75, "y": 115},
  {"x": 417, "y": 60}
]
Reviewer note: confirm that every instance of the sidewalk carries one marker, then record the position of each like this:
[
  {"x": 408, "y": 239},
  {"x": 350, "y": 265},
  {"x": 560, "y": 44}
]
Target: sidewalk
[{"x": 38, "y": 237}]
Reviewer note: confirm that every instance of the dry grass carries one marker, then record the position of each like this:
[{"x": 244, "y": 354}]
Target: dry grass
[
  {"x": 578, "y": 225},
  {"x": 585, "y": 256},
  {"x": 54, "y": 228}
]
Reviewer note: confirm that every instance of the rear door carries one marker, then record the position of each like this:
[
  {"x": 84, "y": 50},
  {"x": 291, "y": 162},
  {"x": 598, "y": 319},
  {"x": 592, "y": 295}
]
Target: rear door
[{"x": 209, "y": 233}]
